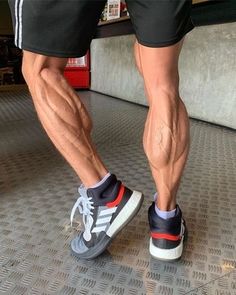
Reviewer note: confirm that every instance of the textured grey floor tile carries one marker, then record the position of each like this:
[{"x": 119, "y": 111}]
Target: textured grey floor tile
[
  {"x": 226, "y": 284},
  {"x": 38, "y": 189}
]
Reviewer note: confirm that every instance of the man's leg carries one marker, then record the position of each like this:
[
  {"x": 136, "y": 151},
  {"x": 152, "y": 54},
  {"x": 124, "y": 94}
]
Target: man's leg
[
  {"x": 166, "y": 134},
  {"x": 106, "y": 204},
  {"x": 166, "y": 143},
  {"x": 63, "y": 115}
]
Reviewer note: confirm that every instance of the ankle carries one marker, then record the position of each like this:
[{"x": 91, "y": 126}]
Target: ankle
[
  {"x": 101, "y": 181},
  {"x": 165, "y": 214},
  {"x": 164, "y": 205}
]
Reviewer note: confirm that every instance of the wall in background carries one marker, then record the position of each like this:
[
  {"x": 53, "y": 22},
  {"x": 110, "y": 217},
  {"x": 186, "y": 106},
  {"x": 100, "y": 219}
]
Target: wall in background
[
  {"x": 5, "y": 19},
  {"x": 207, "y": 71}
]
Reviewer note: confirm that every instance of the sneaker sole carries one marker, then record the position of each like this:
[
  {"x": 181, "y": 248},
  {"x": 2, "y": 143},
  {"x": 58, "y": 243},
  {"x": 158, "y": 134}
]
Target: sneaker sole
[
  {"x": 166, "y": 254},
  {"x": 126, "y": 214}
]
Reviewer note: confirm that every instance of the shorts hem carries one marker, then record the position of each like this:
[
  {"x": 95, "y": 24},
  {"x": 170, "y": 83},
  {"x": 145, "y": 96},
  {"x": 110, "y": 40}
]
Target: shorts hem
[
  {"x": 165, "y": 43},
  {"x": 54, "y": 53}
]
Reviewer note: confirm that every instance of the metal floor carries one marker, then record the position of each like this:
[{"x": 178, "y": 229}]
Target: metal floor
[{"x": 38, "y": 190}]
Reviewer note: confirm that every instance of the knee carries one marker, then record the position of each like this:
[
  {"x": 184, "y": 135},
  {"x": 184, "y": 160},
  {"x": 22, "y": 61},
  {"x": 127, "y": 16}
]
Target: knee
[
  {"x": 30, "y": 75},
  {"x": 48, "y": 77},
  {"x": 41, "y": 77},
  {"x": 26, "y": 72},
  {"x": 163, "y": 84}
]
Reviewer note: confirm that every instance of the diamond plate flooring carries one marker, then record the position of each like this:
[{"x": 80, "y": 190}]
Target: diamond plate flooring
[{"x": 38, "y": 190}]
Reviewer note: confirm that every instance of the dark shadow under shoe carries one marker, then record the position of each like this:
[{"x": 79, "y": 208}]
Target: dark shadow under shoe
[{"x": 106, "y": 210}]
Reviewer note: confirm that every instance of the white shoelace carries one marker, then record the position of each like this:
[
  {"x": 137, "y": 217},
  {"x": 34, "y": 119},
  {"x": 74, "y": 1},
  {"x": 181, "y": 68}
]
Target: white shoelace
[{"x": 85, "y": 205}]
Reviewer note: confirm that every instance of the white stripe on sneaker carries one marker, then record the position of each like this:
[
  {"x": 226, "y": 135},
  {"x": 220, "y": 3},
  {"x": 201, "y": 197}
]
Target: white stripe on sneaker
[
  {"x": 103, "y": 220},
  {"x": 107, "y": 211},
  {"x": 127, "y": 212},
  {"x": 98, "y": 229}
]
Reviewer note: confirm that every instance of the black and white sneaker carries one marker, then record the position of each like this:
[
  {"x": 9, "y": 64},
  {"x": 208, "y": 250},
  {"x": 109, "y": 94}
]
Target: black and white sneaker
[
  {"x": 106, "y": 210},
  {"x": 167, "y": 235}
]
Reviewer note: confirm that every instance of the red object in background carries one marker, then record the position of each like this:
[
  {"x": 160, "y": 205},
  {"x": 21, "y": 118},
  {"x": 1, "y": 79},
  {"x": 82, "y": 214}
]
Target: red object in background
[{"x": 77, "y": 71}]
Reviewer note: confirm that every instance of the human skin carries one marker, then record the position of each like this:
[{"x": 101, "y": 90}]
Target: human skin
[
  {"x": 166, "y": 138},
  {"x": 68, "y": 124}
]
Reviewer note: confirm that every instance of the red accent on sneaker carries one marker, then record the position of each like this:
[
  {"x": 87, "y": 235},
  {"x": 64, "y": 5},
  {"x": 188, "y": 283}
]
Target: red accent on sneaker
[
  {"x": 118, "y": 198},
  {"x": 165, "y": 236}
]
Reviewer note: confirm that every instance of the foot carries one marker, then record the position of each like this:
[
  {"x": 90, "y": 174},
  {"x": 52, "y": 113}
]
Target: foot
[
  {"x": 167, "y": 235},
  {"x": 106, "y": 210}
]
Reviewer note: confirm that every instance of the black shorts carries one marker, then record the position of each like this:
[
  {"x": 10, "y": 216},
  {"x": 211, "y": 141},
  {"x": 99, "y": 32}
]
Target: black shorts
[{"x": 65, "y": 28}]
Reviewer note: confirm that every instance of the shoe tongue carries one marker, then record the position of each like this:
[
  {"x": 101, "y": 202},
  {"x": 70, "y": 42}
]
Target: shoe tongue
[{"x": 107, "y": 191}]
